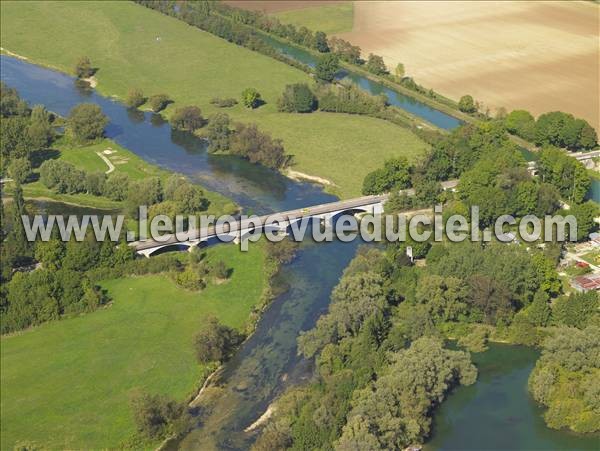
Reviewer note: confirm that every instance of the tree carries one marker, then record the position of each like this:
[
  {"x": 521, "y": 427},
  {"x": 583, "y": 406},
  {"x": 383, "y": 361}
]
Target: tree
[
  {"x": 11, "y": 103},
  {"x": 393, "y": 412},
  {"x": 395, "y": 175},
  {"x": 19, "y": 169},
  {"x": 95, "y": 183},
  {"x": 50, "y": 253},
  {"x": 86, "y": 122},
  {"x": 576, "y": 310},
  {"x": 117, "y": 186},
  {"x": 153, "y": 414},
  {"x": 190, "y": 199},
  {"x": 215, "y": 342},
  {"x": 297, "y": 98},
  {"x": 585, "y": 214},
  {"x": 466, "y": 104},
  {"x": 146, "y": 192},
  {"x": 135, "y": 98},
  {"x": 187, "y": 118},
  {"x": 40, "y": 130},
  {"x": 521, "y": 123},
  {"x": 539, "y": 311},
  {"x": 567, "y": 174},
  {"x": 158, "y": 102},
  {"x": 17, "y": 239},
  {"x": 83, "y": 68},
  {"x": 400, "y": 71},
  {"x": 218, "y": 132},
  {"x": 251, "y": 98},
  {"x": 327, "y": 67},
  {"x": 257, "y": 147},
  {"x": 321, "y": 42},
  {"x": 376, "y": 65}
]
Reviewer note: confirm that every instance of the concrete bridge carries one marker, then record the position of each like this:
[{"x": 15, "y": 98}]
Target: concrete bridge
[
  {"x": 586, "y": 158},
  {"x": 277, "y": 222}
]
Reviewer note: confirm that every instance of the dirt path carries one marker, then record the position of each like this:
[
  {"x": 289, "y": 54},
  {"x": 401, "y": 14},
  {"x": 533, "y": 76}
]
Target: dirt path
[{"x": 111, "y": 167}]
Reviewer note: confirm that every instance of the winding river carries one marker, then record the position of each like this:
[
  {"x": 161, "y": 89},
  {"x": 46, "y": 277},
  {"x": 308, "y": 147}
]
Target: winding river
[{"x": 267, "y": 362}]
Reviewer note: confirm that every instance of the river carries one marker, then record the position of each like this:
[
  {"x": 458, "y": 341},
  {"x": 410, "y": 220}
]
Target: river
[
  {"x": 267, "y": 362},
  {"x": 410, "y": 104}
]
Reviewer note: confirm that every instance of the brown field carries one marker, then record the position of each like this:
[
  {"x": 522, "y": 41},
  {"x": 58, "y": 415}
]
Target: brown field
[
  {"x": 540, "y": 56},
  {"x": 276, "y": 6}
]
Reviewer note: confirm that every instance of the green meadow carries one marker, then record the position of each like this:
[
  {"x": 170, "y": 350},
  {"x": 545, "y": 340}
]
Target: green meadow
[
  {"x": 66, "y": 384},
  {"x": 123, "y": 160},
  {"x": 336, "y": 18},
  {"x": 136, "y": 47}
]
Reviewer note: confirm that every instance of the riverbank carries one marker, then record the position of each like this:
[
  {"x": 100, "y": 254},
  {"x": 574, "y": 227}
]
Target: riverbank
[{"x": 220, "y": 68}]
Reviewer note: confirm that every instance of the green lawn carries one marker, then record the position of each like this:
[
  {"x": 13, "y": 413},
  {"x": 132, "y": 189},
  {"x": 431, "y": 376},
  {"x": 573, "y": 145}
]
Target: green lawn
[
  {"x": 66, "y": 384},
  {"x": 337, "y": 18},
  {"x": 192, "y": 67},
  {"x": 125, "y": 161}
]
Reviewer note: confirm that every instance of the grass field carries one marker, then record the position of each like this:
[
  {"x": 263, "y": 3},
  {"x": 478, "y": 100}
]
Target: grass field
[
  {"x": 192, "y": 67},
  {"x": 336, "y": 18},
  {"x": 66, "y": 384},
  {"x": 123, "y": 160}
]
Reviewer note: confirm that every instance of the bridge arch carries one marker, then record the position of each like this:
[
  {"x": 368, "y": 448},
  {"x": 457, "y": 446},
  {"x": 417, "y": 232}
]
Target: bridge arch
[{"x": 177, "y": 247}]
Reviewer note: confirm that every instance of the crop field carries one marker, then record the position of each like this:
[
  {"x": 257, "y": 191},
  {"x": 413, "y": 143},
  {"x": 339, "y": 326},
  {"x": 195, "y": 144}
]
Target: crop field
[
  {"x": 539, "y": 56},
  {"x": 135, "y": 47},
  {"x": 66, "y": 384}
]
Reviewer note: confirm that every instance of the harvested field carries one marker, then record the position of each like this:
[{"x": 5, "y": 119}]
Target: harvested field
[{"x": 540, "y": 56}]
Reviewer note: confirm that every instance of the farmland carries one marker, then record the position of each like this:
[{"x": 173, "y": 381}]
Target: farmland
[{"x": 539, "y": 56}]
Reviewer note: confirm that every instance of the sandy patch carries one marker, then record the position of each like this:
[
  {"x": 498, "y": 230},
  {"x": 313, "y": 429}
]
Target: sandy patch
[
  {"x": 540, "y": 56},
  {"x": 296, "y": 175},
  {"x": 276, "y": 6}
]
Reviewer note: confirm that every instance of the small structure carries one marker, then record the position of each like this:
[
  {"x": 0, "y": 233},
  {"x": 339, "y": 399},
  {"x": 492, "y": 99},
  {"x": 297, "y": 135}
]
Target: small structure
[{"x": 587, "y": 282}]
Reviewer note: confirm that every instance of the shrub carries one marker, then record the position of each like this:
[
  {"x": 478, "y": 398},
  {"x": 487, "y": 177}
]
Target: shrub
[
  {"x": 83, "y": 68},
  {"x": 158, "y": 102},
  {"x": 62, "y": 177},
  {"x": 223, "y": 103},
  {"x": 187, "y": 118},
  {"x": 135, "y": 98},
  {"x": 251, "y": 98},
  {"x": 466, "y": 104},
  {"x": 218, "y": 132},
  {"x": 327, "y": 67},
  {"x": 215, "y": 342},
  {"x": 297, "y": 98}
]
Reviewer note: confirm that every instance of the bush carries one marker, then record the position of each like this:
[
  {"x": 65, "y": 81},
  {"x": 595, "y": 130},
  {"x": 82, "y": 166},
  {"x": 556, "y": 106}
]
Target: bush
[
  {"x": 158, "y": 102},
  {"x": 135, "y": 98},
  {"x": 350, "y": 99},
  {"x": 62, "y": 177},
  {"x": 466, "y": 104},
  {"x": 376, "y": 65},
  {"x": 187, "y": 118},
  {"x": 223, "y": 103},
  {"x": 86, "y": 122},
  {"x": 215, "y": 342},
  {"x": 251, "y": 98},
  {"x": 257, "y": 147},
  {"x": 83, "y": 68},
  {"x": 153, "y": 414},
  {"x": 297, "y": 98}
]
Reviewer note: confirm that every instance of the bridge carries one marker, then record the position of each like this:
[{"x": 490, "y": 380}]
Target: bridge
[
  {"x": 239, "y": 229},
  {"x": 586, "y": 158}
]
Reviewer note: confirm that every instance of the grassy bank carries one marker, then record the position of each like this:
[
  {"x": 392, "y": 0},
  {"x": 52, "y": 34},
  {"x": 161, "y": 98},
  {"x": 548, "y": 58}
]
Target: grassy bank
[
  {"x": 66, "y": 384},
  {"x": 135, "y": 47},
  {"x": 123, "y": 160},
  {"x": 331, "y": 19}
]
